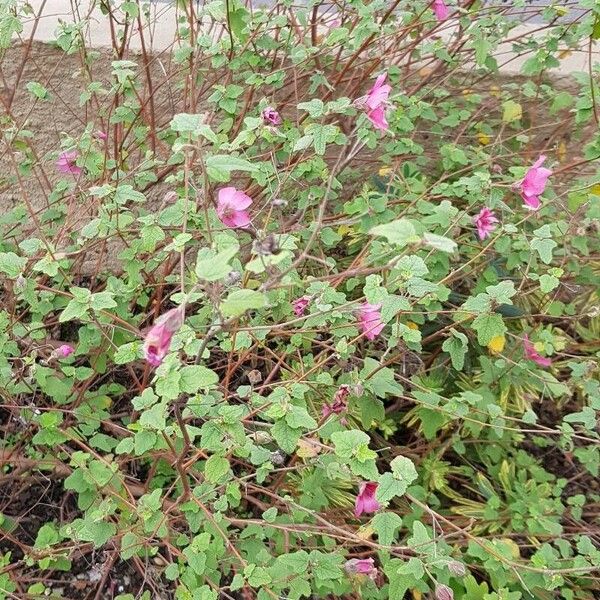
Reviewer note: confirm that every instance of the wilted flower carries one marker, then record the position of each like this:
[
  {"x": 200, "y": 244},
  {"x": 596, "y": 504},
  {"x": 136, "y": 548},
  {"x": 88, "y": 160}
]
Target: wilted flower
[
  {"x": 267, "y": 246},
  {"x": 443, "y": 592},
  {"x": 231, "y": 207},
  {"x": 340, "y": 402},
  {"x": 440, "y": 9},
  {"x": 534, "y": 183},
  {"x": 64, "y": 350},
  {"x": 532, "y": 354},
  {"x": 375, "y": 102},
  {"x": 232, "y": 278},
  {"x": 270, "y": 116},
  {"x": 369, "y": 320},
  {"x": 66, "y": 163},
  {"x": 300, "y": 305},
  {"x": 361, "y": 566},
  {"x": 365, "y": 500},
  {"x": 485, "y": 221},
  {"x": 158, "y": 338},
  {"x": 20, "y": 284}
]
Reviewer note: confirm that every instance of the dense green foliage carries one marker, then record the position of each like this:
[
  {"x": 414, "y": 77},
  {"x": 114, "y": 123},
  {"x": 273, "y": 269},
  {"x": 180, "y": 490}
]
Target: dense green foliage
[{"x": 369, "y": 324}]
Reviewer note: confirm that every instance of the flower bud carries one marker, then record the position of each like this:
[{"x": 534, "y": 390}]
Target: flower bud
[
  {"x": 457, "y": 568},
  {"x": 443, "y": 592}
]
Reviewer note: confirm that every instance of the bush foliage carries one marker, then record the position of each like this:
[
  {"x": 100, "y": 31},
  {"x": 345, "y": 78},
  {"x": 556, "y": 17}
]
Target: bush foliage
[{"x": 304, "y": 306}]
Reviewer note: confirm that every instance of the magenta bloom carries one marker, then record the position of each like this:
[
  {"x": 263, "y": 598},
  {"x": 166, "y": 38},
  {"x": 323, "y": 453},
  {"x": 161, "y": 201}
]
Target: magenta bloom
[
  {"x": 340, "y": 402},
  {"x": 158, "y": 338},
  {"x": 101, "y": 135},
  {"x": 365, "y": 501},
  {"x": 300, "y": 305},
  {"x": 440, "y": 9},
  {"x": 361, "y": 566},
  {"x": 485, "y": 221},
  {"x": 369, "y": 320},
  {"x": 66, "y": 163},
  {"x": 532, "y": 354},
  {"x": 270, "y": 116},
  {"x": 375, "y": 102},
  {"x": 534, "y": 183},
  {"x": 65, "y": 350},
  {"x": 231, "y": 207}
]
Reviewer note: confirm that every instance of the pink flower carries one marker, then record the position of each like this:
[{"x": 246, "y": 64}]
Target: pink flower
[
  {"x": 340, "y": 402},
  {"x": 231, "y": 207},
  {"x": 365, "y": 501},
  {"x": 300, "y": 305},
  {"x": 361, "y": 566},
  {"x": 534, "y": 183},
  {"x": 65, "y": 350},
  {"x": 270, "y": 116},
  {"x": 532, "y": 354},
  {"x": 369, "y": 320},
  {"x": 66, "y": 163},
  {"x": 485, "y": 221},
  {"x": 440, "y": 9},
  {"x": 335, "y": 24},
  {"x": 158, "y": 338},
  {"x": 376, "y": 101},
  {"x": 101, "y": 135}
]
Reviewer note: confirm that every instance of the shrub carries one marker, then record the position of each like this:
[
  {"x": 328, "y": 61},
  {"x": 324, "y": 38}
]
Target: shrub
[{"x": 300, "y": 302}]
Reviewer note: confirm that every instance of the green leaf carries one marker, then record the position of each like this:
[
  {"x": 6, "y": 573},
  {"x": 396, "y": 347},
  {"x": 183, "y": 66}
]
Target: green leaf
[
  {"x": 347, "y": 442},
  {"x": 211, "y": 266},
  {"x": 326, "y": 566},
  {"x": 298, "y": 417},
  {"x": 46, "y": 536},
  {"x": 385, "y": 525},
  {"x": 239, "y": 301},
  {"x": 102, "y": 301},
  {"x": 403, "y": 469},
  {"x": 196, "y": 377},
  {"x": 512, "y": 111},
  {"x": 456, "y": 346},
  {"x": 286, "y": 437},
  {"x": 154, "y": 417},
  {"x": 544, "y": 248},
  {"x": 389, "y": 487},
  {"x": 502, "y": 293},
  {"x": 193, "y": 124},
  {"x": 548, "y": 283},
  {"x": 98, "y": 532},
  {"x": 488, "y": 327},
  {"x": 144, "y": 441},
  {"x": 11, "y": 264},
  {"x": 220, "y": 166},
  {"x": 439, "y": 242},
  {"x": 400, "y": 232},
  {"x": 37, "y": 89},
  {"x": 73, "y": 310},
  {"x": 215, "y": 468}
]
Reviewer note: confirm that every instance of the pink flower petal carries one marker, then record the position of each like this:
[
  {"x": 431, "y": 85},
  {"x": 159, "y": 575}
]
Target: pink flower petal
[
  {"x": 440, "y": 9},
  {"x": 365, "y": 500},
  {"x": 377, "y": 117}
]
